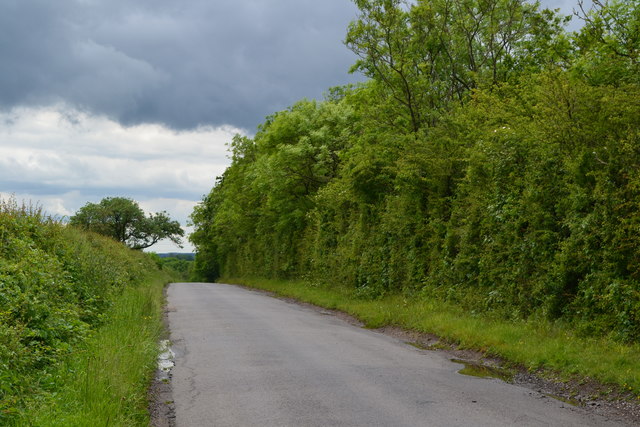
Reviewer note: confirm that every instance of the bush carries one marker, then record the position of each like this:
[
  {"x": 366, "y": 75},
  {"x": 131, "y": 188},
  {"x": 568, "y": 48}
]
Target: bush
[{"x": 56, "y": 283}]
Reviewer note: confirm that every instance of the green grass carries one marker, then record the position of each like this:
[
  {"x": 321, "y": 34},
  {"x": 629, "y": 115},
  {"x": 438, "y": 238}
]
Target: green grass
[
  {"x": 105, "y": 383},
  {"x": 532, "y": 344},
  {"x": 80, "y": 316}
]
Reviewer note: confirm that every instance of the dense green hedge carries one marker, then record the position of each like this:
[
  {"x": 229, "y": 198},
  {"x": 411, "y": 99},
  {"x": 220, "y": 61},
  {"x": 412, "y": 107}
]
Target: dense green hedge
[
  {"x": 56, "y": 283},
  {"x": 507, "y": 186}
]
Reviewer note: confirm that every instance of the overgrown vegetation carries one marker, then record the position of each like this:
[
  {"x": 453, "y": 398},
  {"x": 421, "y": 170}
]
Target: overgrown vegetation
[
  {"x": 181, "y": 266},
  {"x": 64, "y": 295},
  {"x": 492, "y": 162},
  {"x": 105, "y": 382}
]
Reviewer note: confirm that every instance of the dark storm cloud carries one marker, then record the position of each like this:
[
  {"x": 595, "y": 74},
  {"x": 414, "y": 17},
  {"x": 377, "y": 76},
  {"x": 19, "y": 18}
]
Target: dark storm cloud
[{"x": 182, "y": 63}]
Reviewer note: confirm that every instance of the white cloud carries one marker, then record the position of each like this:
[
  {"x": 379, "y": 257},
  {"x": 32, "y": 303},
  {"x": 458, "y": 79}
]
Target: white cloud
[
  {"x": 56, "y": 206},
  {"x": 63, "y": 158},
  {"x": 178, "y": 209}
]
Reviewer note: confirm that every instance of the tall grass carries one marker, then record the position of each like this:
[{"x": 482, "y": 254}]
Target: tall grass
[
  {"x": 79, "y": 320},
  {"x": 106, "y": 382}
]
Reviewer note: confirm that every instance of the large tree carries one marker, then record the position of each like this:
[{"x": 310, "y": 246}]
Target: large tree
[
  {"x": 122, "y": 219},
  {"x": 425, "y": 55}
]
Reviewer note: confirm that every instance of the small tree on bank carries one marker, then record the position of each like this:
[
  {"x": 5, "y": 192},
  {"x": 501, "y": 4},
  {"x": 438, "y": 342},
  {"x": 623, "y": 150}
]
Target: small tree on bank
[{"x": 122, "y": 219}]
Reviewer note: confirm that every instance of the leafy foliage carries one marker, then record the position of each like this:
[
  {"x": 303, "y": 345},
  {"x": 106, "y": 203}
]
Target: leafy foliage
[
  {"x": 123, "y": 220},
  {"x": 56, "y": 283},
  {"x": 179, "y": 265},
  {"x": 491, "y": 161}
]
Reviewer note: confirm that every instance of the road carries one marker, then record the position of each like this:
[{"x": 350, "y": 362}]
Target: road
[{"x": 246, "y": 359}]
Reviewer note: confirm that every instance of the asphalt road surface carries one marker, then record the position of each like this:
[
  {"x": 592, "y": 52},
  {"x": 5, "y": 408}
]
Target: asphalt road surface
[{"x": 246, "y": 359}]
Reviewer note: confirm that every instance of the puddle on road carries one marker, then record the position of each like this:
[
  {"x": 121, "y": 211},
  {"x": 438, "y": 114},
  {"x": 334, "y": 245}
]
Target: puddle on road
[
  {"x": 165, "y": 360},
  {"x": 482, "y": 371},
  {"x": 567, "y": 400}
]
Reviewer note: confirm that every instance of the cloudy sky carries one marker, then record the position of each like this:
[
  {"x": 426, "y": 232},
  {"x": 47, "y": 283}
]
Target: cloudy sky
[{"x": 138, "y": 98}]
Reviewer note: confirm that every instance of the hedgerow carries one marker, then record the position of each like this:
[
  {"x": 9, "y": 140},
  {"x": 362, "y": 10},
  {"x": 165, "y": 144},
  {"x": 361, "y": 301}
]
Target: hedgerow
[{"x": 56, "y": 283}]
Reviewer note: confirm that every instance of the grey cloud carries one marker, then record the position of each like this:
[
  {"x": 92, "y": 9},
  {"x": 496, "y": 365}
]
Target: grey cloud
[{"x": 182, "y": 63}]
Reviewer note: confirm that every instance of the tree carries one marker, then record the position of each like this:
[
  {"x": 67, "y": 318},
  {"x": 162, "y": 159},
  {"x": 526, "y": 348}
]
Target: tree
[
  {"x": 122, "y": 219},
  {"x": 426, "y": 55},
  {"x": 609, "y": 42}
]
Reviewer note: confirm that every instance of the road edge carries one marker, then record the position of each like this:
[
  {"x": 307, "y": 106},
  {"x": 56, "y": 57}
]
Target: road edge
[{"x": 160, "y": 395}]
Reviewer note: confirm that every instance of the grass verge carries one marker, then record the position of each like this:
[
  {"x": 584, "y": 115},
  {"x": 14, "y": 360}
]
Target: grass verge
[
  {"x": 105, "y": 382},
  {"x": 535, "y": 345}
]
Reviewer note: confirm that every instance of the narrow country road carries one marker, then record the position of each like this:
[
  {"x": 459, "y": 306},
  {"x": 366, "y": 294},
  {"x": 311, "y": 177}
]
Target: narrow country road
[{"x": 246, "y": 359}]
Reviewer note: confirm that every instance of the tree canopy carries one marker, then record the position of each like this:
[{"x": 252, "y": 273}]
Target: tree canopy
[
  {"x": 122, "y": 219},
  {"x": 491, "y": 160}
]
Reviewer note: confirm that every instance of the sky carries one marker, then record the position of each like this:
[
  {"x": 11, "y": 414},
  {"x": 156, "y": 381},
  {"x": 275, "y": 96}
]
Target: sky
[{"x": 139, "y": 98}]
